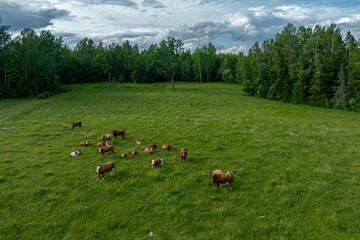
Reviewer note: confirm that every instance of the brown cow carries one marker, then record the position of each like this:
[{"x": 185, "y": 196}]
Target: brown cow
[
  {"x": 84, "y": 143},
  {"x": 183, "y": 154},
  {"x": 166, "y": 147},
  {"x": 138, "y": 142},
  {"x": 76, "y": 124},
  {"x": 106, "y": 137},
  {"x": 125, "y": 156},
  {"x": 157, "y": 163},
  {"x": 119, "y": 133},
  {"x": 101, "y": 144},
  {"x": 148, "y": 150},
  {"x": 106, "y": 167},
  {"x": 105, "y": 149},
  {"x": 222, "y": 177}
]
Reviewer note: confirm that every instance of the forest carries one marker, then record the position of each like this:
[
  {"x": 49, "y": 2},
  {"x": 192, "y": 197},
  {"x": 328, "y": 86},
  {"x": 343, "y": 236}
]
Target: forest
[{"x": 314, "y": 66}]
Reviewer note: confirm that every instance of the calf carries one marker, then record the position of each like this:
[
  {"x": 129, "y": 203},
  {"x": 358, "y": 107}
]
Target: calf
[
  {"x": 157, "y": 163},
  {"x": 106, "y": 167},
  {"x": 134, "y": 152},
  {"x": 106, "y": 137},
  {"x": 166, "y": 147},
  {"x": 222, "y": 177},
  {"x": 148, "y": 150},
  {"x": 84, "y": 143},
  {"x": 74, "y": 154},
  {"x": 138, "y": 142},
  {"x": 76, "y": 124},
  {"x": 125, "y": 156},
  {"x": 153, "y": 146},
  {"x": 119, "y": 133},
  {"x": 101, "y": 144},
  {"x": 106, "y": 149},
  {"x": 64, "y": 126},
  {"x": 183, "y": 154}
]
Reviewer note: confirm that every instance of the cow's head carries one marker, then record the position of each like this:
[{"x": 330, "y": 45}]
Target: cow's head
[{"x": 98, "y": 168}]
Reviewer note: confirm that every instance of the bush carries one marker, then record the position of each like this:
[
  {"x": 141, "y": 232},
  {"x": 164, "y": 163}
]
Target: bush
[{"x": 43, "y": 95}]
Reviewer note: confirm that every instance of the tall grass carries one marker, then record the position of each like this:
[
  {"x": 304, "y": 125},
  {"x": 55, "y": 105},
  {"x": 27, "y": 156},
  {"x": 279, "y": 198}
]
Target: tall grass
[{"x": 296, "y": 168}]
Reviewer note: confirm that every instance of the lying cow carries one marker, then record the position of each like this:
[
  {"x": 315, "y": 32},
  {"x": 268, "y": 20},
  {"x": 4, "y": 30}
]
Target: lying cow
[
  {"x": 166, "y": 147},
  {"x": 74, "y": 154},
  {"x": 148, "y": 150},
  {"x": 84, "y": 143},
  {"x": 157, "y": 163},
  {"x": 153, "y": 146},
  {"x": 138, "y": 142},
  {"x": 101, "y": 144},
  {"x": 125, "y": 156}
]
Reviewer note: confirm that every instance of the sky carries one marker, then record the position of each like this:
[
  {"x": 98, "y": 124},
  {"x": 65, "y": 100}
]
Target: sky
[{"x": 233, "y": 26}]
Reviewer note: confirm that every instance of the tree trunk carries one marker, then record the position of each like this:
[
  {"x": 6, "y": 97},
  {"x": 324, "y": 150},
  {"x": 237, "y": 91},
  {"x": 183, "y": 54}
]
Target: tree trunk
[
  {"x": 113, "y": 82},
  {"x": 109, "y": 79},
  {"x": 200, "y": 74},
  {"x": 172, "y": 82},
  {"x": 5, "y": 79}
]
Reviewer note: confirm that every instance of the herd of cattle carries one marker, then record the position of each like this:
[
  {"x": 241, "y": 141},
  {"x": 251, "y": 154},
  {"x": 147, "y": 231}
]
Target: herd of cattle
[{"x": 104, "y": 148}]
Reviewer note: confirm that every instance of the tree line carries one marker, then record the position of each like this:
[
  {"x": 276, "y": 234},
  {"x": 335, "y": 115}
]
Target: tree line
[
  {"x": 35, "y": 65},
  {"x": 307, "y": 66},
  {"x": 314, "y": 66}
]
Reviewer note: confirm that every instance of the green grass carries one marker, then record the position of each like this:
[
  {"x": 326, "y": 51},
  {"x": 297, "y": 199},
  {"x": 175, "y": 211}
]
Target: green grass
[{"x": 298, "y": 166}]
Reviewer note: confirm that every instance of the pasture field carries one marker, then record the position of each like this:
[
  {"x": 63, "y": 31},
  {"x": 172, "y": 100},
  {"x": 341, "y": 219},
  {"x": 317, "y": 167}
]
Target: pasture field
[{"x": 296, "y": 168}]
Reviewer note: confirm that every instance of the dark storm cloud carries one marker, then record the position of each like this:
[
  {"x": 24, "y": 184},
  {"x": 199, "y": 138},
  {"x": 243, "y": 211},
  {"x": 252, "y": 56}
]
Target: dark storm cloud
[
  {"x": 153, "y": 4},
  {"x": 18, "y": 17}
]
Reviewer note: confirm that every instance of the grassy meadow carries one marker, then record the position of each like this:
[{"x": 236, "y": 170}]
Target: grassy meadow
[{"x": 296, "y": 168}]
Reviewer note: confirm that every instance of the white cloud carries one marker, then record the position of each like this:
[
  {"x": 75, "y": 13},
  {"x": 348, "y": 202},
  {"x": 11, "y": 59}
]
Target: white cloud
[{"x": 196, "y": 23}]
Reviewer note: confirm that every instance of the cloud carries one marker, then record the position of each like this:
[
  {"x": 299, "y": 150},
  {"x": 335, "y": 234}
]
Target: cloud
[
  {"x": 195, "y": 22},
  {"x": 124, "y": 3},
  {"x": 153, "y": 4},
  {"x": 18, "y": 17}
]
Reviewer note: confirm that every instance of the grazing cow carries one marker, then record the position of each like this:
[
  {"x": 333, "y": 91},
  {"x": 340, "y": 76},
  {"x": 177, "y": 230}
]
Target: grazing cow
[
  {"x": 166, "y": 147},
  {"x": 157, "y": 163},
  {"x": 101, "y": 144},
  {"x": 106, "y": 137},
  {"x": 84, "y": 143},
  {"x": 74, "y": 154},
  {"x": 64, "y": 126},
  {"x": 119, "y": 133},
  {"x": 125, "y": 156},
  {"x": 222, "y": 177},
  {"x": 148, "y": 150},
  {"x": 183, "y": 154},
  {"x": 106, "y": 167},
  {"x": 138, "y": 142},
  {"x": 153, "y": 146},
  {"x": 106, "y": 149},
  {"x": 76, "y": 124},
  {"x": 134, "y": 152}
]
